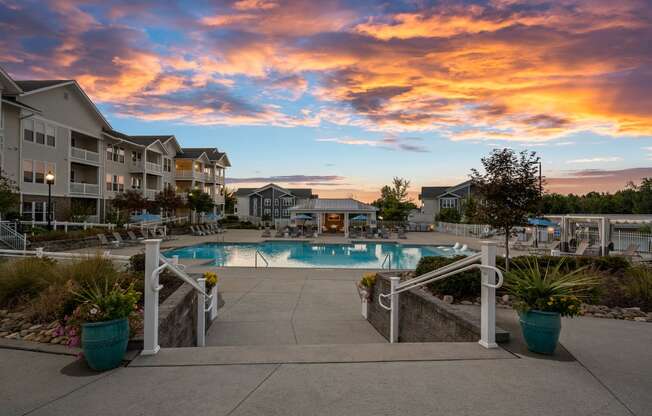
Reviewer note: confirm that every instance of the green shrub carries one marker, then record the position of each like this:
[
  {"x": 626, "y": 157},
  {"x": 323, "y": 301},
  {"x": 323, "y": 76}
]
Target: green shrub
[
  {"x": 53, "y": 302},
  {"x": 23, "y": 279},
  {"x": 137, "y": 263},
  {"x": 638, "y": 287},
  {"x": 449, "y": 215},
  {"x": 465, "y": 285},
  {"x": 611, "y": 264},
  {"x": 85, "y": 271},
  {"x": 41, "y": 234}
]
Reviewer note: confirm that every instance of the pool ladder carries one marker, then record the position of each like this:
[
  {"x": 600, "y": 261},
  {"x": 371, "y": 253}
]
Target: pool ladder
[
  {"x": 259, "y": 254},
  {"x": 388, "y": 260}
]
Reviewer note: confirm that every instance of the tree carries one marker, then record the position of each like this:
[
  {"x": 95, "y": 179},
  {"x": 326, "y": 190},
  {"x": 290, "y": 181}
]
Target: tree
[
  {"x": 9, "y": 197},
  {"x": 200, "y": 201},
  {"x": 394, "y": 203},
  {"x": 132, "y": 200},
  {"x": 230, "y": 200},
  {"x": 168, "y": 201},
  {"x": 448, "y": 215},
  {"x": 470, "y": 209},
  {"x": 509, "y": 190}
]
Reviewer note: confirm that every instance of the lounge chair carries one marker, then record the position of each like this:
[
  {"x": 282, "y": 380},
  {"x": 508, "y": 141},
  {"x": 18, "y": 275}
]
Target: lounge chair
[
  {"x": 278, "y": 233},
  {"x": 631, "y": 252},
  {"x": 266, "y": 233},
  {"x": 133, "y": 237},
  {"x": 196, "y": 231},
  {"x": 580, "y": 250},
  {"x": 105, "y": 242},
  {"x": 205, "y": 229},
  {"x": 143, "y": 233},
  {"x": 119, "y": 239}
]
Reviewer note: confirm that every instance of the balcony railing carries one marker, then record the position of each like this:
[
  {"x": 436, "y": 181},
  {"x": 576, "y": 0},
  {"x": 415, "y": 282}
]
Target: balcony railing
[
  {"x": 84, "y": 188},
  {"x": 154, "y": 167},
  {"x": 189, "y": 174},
  {"x": 85, "y": 155}
]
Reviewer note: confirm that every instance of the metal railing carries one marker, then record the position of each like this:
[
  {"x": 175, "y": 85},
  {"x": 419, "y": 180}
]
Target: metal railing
[
  {"x": 84, "y": 188},
  {"x": 388, "y": 260},
  {"x": 39, "y": 252},
  {"x": 85, "y": 155},
  {"x": 155, "y": 263},
  {"x": 65, "y": 224},
  {"x": 259, "y": 254},
  {"x": 10, "y": 236},
  {"x": 465, "y": 230},
  {"x": 487, "y": 266}
]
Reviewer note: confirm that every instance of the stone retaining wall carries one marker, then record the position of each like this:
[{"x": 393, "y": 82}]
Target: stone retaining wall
[
  {"x": 425, "y": 318},
  {"x": 178, "y": 319}
]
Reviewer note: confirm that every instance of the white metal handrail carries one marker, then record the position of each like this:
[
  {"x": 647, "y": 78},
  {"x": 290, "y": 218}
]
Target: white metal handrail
[
  {"x": 488, "y": 291},
  {"x": 258, "y": 253},
  {"x": 12, "y": 237},
  {"x": 387, "y": 257},
  {"x": 155, "y": 263}
]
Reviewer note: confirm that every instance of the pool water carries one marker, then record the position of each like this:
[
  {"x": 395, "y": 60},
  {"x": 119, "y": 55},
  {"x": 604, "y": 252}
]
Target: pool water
[{"x": 369, "y": 255}]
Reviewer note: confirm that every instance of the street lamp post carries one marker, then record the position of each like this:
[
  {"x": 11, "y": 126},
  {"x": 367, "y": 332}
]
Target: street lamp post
[{"x": 49, "y": 179}]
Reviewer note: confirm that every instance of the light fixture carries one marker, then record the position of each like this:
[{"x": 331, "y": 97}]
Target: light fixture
[{"x": 49, "y": 177}]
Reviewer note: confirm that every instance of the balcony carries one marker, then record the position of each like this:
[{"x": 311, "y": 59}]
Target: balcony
[
  {"x": 189, "y": 175},
  {"x": 85, "y": 189},
  {"x": 82, "y": 155},
  {"x": 154, "y": 167},
  {"x": 138, "y": 166},
  {"x": 151, "y": 193}
]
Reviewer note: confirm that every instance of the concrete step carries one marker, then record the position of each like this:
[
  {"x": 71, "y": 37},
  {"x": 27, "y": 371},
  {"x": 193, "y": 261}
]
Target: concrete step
[{"x": 333, "y": 353}]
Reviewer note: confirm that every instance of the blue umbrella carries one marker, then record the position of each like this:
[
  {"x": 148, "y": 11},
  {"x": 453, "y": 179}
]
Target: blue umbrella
[
  {"x": 145, "y": 217},
  {"x": 360, "y": 217},
  {"x": 541, "y": 222},
  {"x": 303, "y": 217}
]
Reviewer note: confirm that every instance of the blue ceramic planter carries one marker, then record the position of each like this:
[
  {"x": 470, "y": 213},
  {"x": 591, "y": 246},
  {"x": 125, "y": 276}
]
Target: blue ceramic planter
[
  {"x": 541, "y": 330},
  {"x": 104, "y": 343}
]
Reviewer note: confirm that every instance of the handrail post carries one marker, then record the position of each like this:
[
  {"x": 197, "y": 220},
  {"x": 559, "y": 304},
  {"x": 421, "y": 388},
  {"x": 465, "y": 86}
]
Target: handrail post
[
  {"x": 150, "y": 329},
  {"x": 201, "y": 313},
  {"x": 488, "y": 297},
  {"x": 393, "y": 318}
]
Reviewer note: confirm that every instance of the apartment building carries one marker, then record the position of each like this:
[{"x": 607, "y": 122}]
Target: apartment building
[
  {"x": 53, "y": 126},
  {"x": 270, "y": 201}
]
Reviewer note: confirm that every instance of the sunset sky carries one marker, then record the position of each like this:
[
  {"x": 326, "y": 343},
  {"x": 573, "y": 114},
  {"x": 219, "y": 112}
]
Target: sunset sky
[{"x": 342, "y": 95}]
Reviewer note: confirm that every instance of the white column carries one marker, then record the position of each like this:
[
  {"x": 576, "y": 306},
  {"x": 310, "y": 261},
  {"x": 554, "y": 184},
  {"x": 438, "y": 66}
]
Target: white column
[
  {"x": 488, "y": 297},
  {"x": 393, "y": 317},
  {"x": 201, "y": 314},
  {"x": 150, "y": 287},
  {"x": 346, "y": 224}
]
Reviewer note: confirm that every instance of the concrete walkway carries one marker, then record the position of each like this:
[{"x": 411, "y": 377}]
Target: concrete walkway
[{"x": 290, "y": 306}]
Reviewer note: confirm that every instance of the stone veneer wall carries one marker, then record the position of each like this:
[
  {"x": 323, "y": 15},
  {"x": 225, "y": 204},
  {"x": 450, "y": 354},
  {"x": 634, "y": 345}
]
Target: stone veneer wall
[
  {"x": 177, "y": 323},
  {"x": 422, "y": 317}
]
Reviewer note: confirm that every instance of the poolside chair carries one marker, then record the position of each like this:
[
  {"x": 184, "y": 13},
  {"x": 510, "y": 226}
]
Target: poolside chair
[
  {"x": 205, "y": 229},
  {"x": 580, "y": 250},
  {"x": 631, "y": 252},
  {"x": 105, "y": 242},
  {"x": 266, "y": 233},
  {"x": 278, "y": 233},
  {"x": 143, "y": 233},
  {"x": 133, "y": 237},
  {"x": 196, "y": 231},
  {"x": 120, "y": 240}
]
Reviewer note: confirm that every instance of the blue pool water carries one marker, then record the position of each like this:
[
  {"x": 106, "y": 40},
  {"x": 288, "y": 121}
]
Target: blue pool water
[{"x": 305, "y": 254}]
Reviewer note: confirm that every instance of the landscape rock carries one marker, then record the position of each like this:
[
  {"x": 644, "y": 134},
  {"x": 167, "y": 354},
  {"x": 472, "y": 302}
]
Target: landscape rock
[{"x": 448, "y": 299}]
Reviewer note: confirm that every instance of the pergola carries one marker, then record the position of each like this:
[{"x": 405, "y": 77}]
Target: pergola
[
  {"x": 604, "y": 225},
  {"x": 322, "y": 209}
]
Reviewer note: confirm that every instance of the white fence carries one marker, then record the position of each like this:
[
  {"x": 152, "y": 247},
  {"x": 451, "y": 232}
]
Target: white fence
[
  {"x": 620, "y": 239},
  {"x": 56, "y": 225},
  {"x": 465, "y": 230},
  {"x": 10, "y": 236},
  {"x": 60, "y": 255}
]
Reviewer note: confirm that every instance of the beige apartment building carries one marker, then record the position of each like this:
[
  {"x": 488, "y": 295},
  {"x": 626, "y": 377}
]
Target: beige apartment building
[{"x": 53, "y": 126}]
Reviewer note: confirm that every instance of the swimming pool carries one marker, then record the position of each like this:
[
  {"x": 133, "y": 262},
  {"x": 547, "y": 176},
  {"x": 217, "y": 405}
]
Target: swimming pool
[{"x": 367, "y": 255}]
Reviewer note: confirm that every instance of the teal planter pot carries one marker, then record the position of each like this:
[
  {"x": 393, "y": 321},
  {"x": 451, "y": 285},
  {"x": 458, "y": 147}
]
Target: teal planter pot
[
  {"x": 104, "y": 343},
  {"x": 541, "y": 330}
]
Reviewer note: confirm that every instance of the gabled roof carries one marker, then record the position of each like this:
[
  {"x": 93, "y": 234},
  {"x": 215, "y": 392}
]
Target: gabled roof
[
  {"x": 30, "y": 87},
  {"x": 429, "y": 192},
  {"x": 212, "y": 154},
  {"x": 9, "y": 86},
  {"x": 147, "y": 140},
  {"x": 12, "y": 101},
  {"x": 297, "y": 192},
  {"x": 334, "y": 205},
  {"x": 143, "y": 141}
]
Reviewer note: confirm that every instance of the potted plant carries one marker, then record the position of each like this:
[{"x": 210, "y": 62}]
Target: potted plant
[
  {"x": 211, "y": 289},
  {"x": 542, "y": 296},
  {"x": 103, "y": 315},
  {"x": 365, "y": 290}
]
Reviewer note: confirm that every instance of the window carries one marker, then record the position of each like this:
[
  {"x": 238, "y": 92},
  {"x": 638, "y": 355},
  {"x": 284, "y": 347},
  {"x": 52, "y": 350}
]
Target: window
[
  {"x": 28, "y": 130},
  {"x": 136, "y": 156},
  {"x": 28, "y": 171},
  {"x": 448, "y": 203},
  {"x": 287, "y": 202},
  {"x": 39, "y": 171},
  {"x": 276, "y": 202},
  {"x": 40, "y": 132},
  {"x": 275, "y": 212},
  {"x": 115, "y": 153},
  {"x": 35, "y": 211},
  {"x": 285, "y": 212},
  {"x": 167, "y": 165},
  {"x": 115, "y": 183},
  {"x": 50, "y": 136},
  {"x": 28, "y": 211},
  {"x": 72, "y": 175},
  {"x": 39, "y": 211},
  {"x": 135, "y": 182},
  {"x": 268, "y": 202},
  {"x": 267, "y": 211}
]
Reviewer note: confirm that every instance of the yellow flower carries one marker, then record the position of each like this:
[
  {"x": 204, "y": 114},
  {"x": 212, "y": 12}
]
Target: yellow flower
[{"x": 549, "y": 303}]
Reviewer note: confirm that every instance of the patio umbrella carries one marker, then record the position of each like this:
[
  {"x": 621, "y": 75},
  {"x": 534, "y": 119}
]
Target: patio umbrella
[
  {"x": 303, "y": 217},
  {"x": 145, "y": 218},
  {"x": 360, "y": 217},
  {"x": 541, "y": 222}
]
